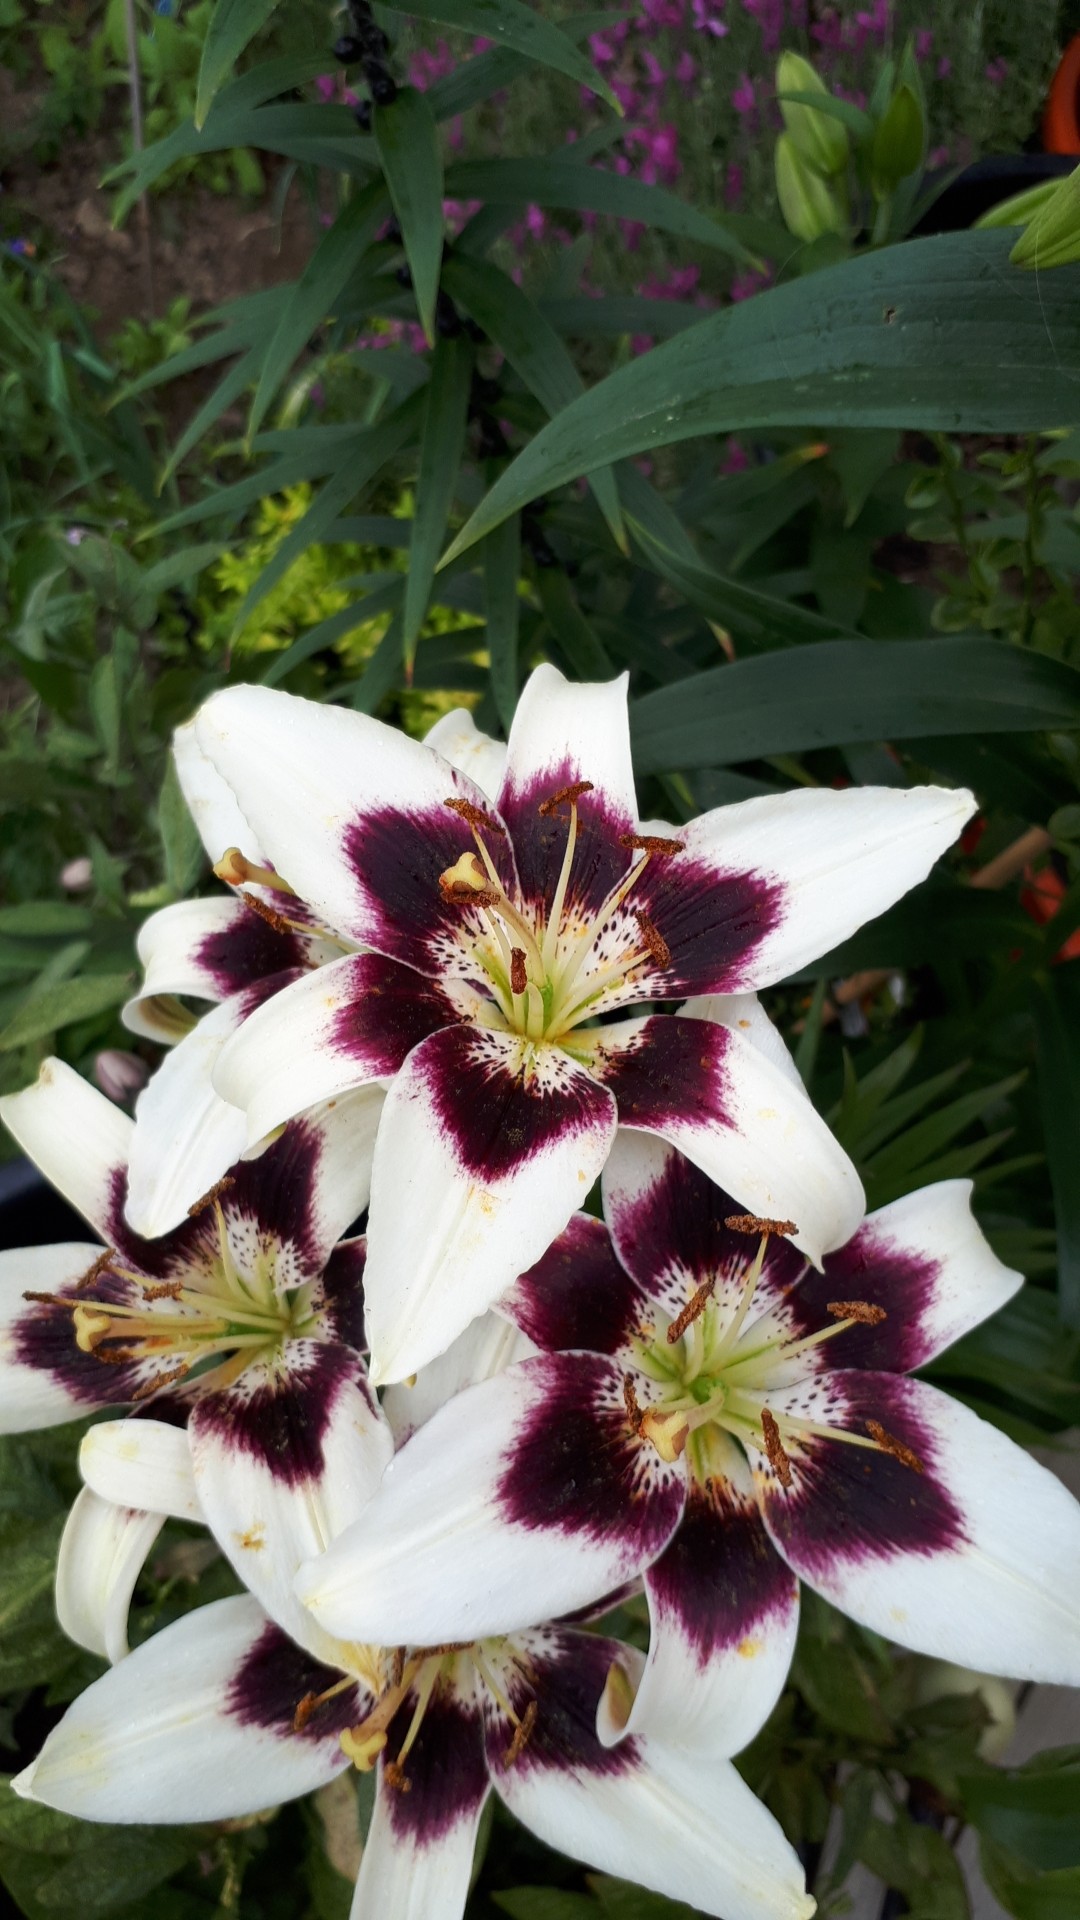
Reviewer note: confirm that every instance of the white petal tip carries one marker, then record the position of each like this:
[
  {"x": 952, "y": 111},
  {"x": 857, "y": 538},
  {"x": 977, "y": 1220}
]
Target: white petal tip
[{"x": 23, "y": 1783}]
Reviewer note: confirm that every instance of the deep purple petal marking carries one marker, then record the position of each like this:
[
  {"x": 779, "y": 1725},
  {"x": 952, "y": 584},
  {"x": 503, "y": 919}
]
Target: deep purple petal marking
[
  {"x": 390, "y": 1010},
  {"x": 671, "y": 1071},
  {"x": 279, "y": 1414},
  {"x": 496, "y": 1118},
  {"x": 246, "y": 950},
  {"x": 852, "y": 1504},
  {"x": 445, "y": 1768},
  {"x": 675, "y": 1227},
  {"x": 712, "y": 922},
  {"x": 397, "y": 855},
  {"x": 720, "y": 1577},
  {"x": 872, "y": 1268},
  {"x": 577, "y": 1295},
  {"x": 576, "y": 1468},
  {"x": 43, "y": 1337},
  {"x": 276, "y": 1676},
  {"x": 565, "y": 1672},
  {"x": 540, "y": 839},
  {"x": 338, "y": 1297}
]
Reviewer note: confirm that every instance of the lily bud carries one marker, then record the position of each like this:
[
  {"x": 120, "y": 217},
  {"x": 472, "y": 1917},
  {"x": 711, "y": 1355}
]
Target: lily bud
[
  {"x": 77, "y": 875},
  {"x": 939, "y": 1679},
  {"x": 899, "y": 143},
  {"x": 1052, "y": 238},
  {"x": 820, "y": 138},
  {"x": 120, "y": 1074},
  {"x": 809, "y": 204}
]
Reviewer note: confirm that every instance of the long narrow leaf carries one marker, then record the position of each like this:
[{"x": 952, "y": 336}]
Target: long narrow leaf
[
  {"x": 441, "y": 444},
  {"x": 567, "y": 184},
  {"x": 409, "y": 147},
  {"x": 1057, "y": 1026},
  {"x": 502, "y": 565},
  {"x": 516, "y": 26},
  {"x": 232, "y": 24}
]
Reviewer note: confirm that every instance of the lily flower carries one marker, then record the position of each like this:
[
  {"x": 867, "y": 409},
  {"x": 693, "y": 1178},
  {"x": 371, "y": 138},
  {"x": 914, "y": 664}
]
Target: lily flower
[
  {"x": 500, "y": 939},
  {"x": 223, "y": 1714},
  {"x": 711, "y": 1412},
  {"x": 246, "y": 1323}
]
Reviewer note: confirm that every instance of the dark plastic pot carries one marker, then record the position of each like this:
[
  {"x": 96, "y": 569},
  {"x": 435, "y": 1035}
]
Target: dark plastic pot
[
  {"x": 986, "y": 184},
  {"x": 31, "y": 1213}
]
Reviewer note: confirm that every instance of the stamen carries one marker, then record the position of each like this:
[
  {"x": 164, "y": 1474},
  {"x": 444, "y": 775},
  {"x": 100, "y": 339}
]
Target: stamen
[
  {"x": 630, "y": 1399},
  {"x": 475, "y": 816},
  {"x": 396, "y": 1777},
  {"x": 694, "y": 1307},
  {"x": 160, "y": 1380},
  {"x": 861, "y": 1310},
  {"x": 890, "y": 1444},
  {"x": 749, "y": 1223},
  {"x": 556, "y": 800},
  {"x": 519, "y": 979},
  {"x": 210, "y": 1199},
  {"x": 522, "y": 1735},
  {"x": 651, "y": 843},
  {"x": 654, "y": 940},
  {"x": 311, "y": 1701},
  {"x": 237, "y": 870},
  {"x": 466, "y": 882},
  {"x": 774, "y": 1448},
  {"x": 166, "y": 1290},
  {"x": 101, "y": 1265},
  {"x": 266, "y": 912},
  {"x": 91, "y": 1326}
]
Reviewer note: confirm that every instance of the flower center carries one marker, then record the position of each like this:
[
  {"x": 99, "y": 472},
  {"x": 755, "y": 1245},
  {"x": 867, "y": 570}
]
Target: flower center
[
  {"x": 714, "y": 1367},
  {"x": 214, "y": 1308},
  {"x": 400, "y": 1672},
  {"x": 550, "y": 973}
]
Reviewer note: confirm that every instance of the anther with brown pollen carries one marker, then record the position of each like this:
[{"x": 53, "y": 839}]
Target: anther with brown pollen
[
  {"x": 863, "y": 1311},
  {"x": 396, "y": 1777},
  {"x": 655, "y": 943},
  {"x": 164, "y": 1290},
  {"x": 774, "y": 1448},
  {"x": 891, "y": 1445},
  {"x": 522, "y": 1735},
  {"x": 475, "y": 816},
  {"x": 215, "y": 1193},
  {"x": 750, "y": 1223},
  {"x": 270, "y": 914},
  {"x": 159, "y": 1381},
  {"x": 519, "y": 978},
  {"x": 563, "y": 797},
  {"x": 651, "y": 843},
  {"x": 692, "y": 1311},
  {"x": 633, "y": 1412}
]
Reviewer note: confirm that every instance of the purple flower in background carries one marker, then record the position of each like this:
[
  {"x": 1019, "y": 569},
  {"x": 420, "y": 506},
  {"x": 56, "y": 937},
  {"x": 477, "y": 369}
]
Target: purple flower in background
[
  {"x": 997, "y": 71},
  {"x": 744, "y": 99},
  {"x": 707, "y": 18},
  {"x": 769, "y": 15},
  {"x": 924, "y": 41}
]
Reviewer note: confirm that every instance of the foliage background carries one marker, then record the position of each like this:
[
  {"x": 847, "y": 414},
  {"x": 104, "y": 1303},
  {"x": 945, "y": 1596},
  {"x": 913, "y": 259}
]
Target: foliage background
[{"x": 811, "y": 580}]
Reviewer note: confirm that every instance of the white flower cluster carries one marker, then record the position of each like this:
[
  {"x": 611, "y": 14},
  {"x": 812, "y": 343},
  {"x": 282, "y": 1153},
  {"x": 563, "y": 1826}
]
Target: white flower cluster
[{"x": 454, "y": 985}]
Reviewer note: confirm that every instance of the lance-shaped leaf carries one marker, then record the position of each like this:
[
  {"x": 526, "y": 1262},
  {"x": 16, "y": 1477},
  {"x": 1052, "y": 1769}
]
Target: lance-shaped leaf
[
  {"x": 407, "y": 137},
  {"x": 847, "y": 690},
  {"x": 521, "y": 28},
  {"x": 441, "y": 444},
  {"x": 314, "y": 294},
  {"x": 232, "y": 24},
  {"x": 934, "y": 334},
  {"x": 533, "y": 349},
  {"x": 502, "y": 564}
]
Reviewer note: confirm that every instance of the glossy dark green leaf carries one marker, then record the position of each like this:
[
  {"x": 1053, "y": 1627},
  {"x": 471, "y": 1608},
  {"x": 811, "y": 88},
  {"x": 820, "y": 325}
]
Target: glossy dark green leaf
[
  {"x": 571, "y": 632},
  {"x": 46, "y": 1011},
  {"x": 847, "y": 690},
  {"x": 937, "y": 333},
  {"x": 410, "y": 149},
  {"x": 523, "y": 29},
  {"x": 442, "y": 440},
  {"x": 1056, "y": 1003},
  {"x": 233, "y": 24},
  {"x": 502, "y": 567}
]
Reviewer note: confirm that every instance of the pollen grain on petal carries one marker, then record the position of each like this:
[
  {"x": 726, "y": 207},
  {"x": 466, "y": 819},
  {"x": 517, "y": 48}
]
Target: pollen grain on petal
[
  {"x": 867, "y": 1314},
  {"x": 774, "y": 1448},
  {"x": 651, "y": 843},
  {"x": 750, "y": 1223},
  {"x": 889, "y": 1443},
  {"x": 564, "y": 796},
  {"x": 475, "y": 816}
]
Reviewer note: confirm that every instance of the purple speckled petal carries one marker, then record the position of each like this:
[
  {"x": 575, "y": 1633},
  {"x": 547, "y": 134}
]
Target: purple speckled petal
[
  {"x": 45, "y": 1378},
  {"x": 971, "y": 1560},
  {"x": 418, "y": 1852},
  {"x": 561, "y": 734},
  {"x": 925, "y": 1262},
  {"x": 197, "y": 1724},
  {"x": 285, "y": 1459},
  {"x": 724, "y": 1104},
  {"x": 681, "y": 1823},
  {"x": 723, "y": 1611},
  {"x": 525, "y": 1496},
  {"x": 351, "y": 1024},
  {"x": 577, "y": 1295},
  {"x": 211, "y": 949},
  {"x": 337, "y": 1297},
  {"x": 486, "y": 1146},
  {"x": 354, "y": 814}
]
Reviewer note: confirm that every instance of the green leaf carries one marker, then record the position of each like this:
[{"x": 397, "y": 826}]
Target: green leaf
[
  {"x": 502, "y": 605},
  {"x": 38, "y": 917},
  {"x": 441, "y": 444},
  {"x": 533, "y": 348},
  {"x": 55, "y": 1865},
  {"x": 386, "y": 594},
  {"x": 514, "y": 25},
  {"x": 184, "y": 854},
  {"x": 571, "y": 633},
  {"x": 1028, "y": 1894},
  {"x": 232, "y": 24},
  {"x": 1033, "y": 1810},
  {"x": 311, "y": 299},
  {"x": 1056, "y": 1003},
  {"x": 936, "y": 333},
  {"x": 62, "y": 1004},
  {"x": 838, "y": 691},
  {"x": 407, "y": 137},
  {"x": 567, "y": 184}
]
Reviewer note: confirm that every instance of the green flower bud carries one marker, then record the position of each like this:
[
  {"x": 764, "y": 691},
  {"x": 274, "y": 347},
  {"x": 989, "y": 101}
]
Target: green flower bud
[
  {"x": 809, "y": 204},
  {"x": 1053, "y": 237},
  {"x": 1019, "y": 208},
  {"x": 820, "y": 138},
  {"x": 899, "y": 143}
]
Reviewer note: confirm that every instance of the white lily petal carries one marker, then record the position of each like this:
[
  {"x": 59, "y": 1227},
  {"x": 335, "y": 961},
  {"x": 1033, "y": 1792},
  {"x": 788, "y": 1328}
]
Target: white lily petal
[
  {"x": 102, "y": 1553},
  {"x": 36, "y": 1390},
  {"x": 184, "y": 949},
  {"x": 194, "y": 1725},
  {"x": 186, "y": 1136},
  {"x": 458, "y": 738},
  {"x": 211, "y": 801},
  {"x": 971, "y": 1556},
  {"x": 485, "y": 1148},
  {"x": 745, "y": 1013},
  {"x": 141, "y": 1463},
  {"x": 485, "y": 1349},
  {"x": 78, "y": 1139},
  {"x": 563, "y": 731},
  {"x": 418, "y": 1855}
]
